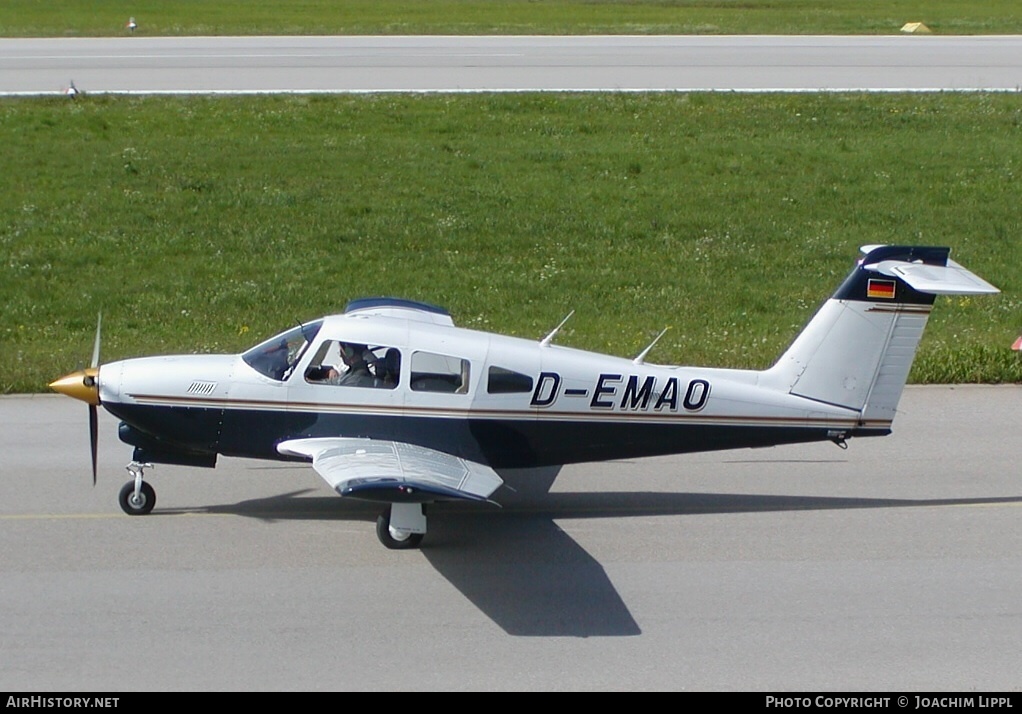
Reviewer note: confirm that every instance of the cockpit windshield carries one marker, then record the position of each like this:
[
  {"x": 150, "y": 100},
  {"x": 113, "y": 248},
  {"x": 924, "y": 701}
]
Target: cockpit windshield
[{"x": 277, "y": 356}]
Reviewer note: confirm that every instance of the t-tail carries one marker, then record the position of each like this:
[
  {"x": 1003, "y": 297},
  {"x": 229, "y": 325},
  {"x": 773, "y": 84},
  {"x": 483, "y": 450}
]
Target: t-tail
[{"x": 857, "y": 350}]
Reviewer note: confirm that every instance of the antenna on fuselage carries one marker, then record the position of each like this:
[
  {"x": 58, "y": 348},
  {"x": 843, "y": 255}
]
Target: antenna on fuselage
[
  {"x": 642, "y": 355},
  {"x": 545, "y": 342}
]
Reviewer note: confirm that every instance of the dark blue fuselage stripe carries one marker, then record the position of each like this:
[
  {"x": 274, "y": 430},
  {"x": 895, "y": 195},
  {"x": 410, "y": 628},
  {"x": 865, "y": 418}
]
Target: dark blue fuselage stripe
[{"x": 501, "y": 443}]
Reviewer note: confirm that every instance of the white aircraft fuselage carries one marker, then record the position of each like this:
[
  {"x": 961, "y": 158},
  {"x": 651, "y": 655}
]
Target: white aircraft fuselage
[{"x": 567, "y": 406}]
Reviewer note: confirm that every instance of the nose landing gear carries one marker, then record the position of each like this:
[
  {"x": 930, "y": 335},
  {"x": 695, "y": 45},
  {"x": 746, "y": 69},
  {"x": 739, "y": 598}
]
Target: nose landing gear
[{"x": 137, "y": 498}]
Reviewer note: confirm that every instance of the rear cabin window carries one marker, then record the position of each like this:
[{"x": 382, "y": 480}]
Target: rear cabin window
[
  {"x": 439, "y": 373},
  {"x": 505, "y": 381}
]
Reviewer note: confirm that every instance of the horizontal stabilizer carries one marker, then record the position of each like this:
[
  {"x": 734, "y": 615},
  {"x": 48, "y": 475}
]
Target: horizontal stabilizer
[{"x": 952, "y": 279}]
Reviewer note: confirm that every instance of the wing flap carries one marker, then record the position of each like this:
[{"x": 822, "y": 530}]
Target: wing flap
[{"x": 394, "y": 471}]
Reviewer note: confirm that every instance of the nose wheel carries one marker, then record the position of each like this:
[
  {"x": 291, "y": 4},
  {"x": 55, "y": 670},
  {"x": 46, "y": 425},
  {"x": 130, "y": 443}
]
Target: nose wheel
[{"x": 137, "y": 498}]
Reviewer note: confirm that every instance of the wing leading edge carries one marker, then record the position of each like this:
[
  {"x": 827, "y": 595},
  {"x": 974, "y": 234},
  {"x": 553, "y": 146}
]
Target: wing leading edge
[{"x": 393, "y": 471}]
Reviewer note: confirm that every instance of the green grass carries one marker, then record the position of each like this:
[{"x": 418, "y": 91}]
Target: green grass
[
  {"x": 204, "y": 224},
  {"x": 84, "y": 18}
]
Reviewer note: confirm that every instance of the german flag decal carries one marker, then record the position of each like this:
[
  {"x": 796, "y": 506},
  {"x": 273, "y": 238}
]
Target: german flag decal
[{"x": 880, "y": 289}]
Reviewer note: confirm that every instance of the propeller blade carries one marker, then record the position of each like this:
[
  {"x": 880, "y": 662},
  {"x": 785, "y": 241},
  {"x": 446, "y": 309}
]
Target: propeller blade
[
  {"x": 84, "y": 385},
  {"x": 93, "y": 411},
  {"x": 94, "y": 437},
  {"x": 95, "y": 346}
]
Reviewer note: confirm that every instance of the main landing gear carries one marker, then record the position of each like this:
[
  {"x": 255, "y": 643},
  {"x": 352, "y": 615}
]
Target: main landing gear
[
  {"x": 402, "y": 525},
  {"x": 137, "y": 497}
]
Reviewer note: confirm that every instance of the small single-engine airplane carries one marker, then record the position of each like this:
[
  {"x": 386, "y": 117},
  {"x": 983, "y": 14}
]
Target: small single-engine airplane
[{"x": 393, "y": 403}]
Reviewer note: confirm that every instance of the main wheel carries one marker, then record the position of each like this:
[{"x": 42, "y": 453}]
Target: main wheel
[
  {"x": 141, "y": 505},
  {"x": 412, "y": 540}
]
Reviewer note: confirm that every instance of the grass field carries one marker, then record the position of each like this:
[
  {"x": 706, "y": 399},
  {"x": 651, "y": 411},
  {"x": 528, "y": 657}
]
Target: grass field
[
  {"x": 84, "y": 18},
  {"x": 200, "y": 224}
]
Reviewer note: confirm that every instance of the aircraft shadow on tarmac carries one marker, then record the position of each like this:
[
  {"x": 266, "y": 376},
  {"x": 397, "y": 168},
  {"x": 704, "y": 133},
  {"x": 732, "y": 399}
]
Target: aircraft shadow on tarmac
[{"x": 525, "y": 573}]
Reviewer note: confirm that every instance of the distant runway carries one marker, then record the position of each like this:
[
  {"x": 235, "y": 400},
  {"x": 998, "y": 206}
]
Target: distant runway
[
  {"x": 894, "y": 565},
  {"x": 626, "y": 63}
]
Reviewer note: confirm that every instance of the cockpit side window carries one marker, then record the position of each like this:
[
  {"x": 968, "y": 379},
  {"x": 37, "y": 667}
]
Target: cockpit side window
[
  {"x": 347, "y": 364},
  {"x": 277, "y": 356}
]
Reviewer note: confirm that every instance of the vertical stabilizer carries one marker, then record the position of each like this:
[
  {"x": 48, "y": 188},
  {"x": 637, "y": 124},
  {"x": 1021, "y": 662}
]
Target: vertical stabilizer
[{"x": 858, "y": 349}]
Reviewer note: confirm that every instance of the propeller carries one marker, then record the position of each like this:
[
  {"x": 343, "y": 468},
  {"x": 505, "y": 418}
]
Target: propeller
[{"x": 84, "y": 386}]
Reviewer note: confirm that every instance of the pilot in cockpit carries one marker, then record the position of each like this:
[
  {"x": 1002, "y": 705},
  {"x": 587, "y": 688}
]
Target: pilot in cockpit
[{"x": 355, "y": 371}]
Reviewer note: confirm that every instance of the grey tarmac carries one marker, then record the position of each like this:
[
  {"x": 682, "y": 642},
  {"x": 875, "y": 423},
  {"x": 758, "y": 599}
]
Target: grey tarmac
[{"x": 893, "y": 565}]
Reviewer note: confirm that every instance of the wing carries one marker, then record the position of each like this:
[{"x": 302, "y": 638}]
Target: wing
[{"x": 394, "y": 471}]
